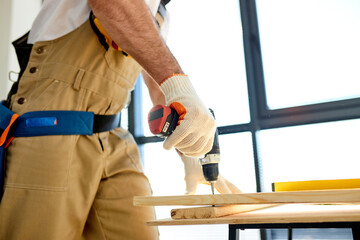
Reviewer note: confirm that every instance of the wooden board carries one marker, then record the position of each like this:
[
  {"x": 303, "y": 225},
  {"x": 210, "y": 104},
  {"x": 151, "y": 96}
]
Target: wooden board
[
  {"x": 214, "y": 212},
  {"x": 290, "y": 213},
  {"x": 321, "y": 196}
]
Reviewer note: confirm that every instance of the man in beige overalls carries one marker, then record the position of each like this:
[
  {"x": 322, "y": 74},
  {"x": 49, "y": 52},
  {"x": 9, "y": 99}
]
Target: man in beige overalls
[{"x": 68, "y": 187}]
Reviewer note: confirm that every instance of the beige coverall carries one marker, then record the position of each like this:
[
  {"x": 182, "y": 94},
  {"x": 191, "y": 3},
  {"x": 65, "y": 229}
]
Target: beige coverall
[{"x": 75, "y": 187}]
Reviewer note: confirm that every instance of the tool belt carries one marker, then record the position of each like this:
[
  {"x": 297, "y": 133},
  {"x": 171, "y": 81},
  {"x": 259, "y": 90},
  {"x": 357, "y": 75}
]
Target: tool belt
[{"x": 46, "y": 123}]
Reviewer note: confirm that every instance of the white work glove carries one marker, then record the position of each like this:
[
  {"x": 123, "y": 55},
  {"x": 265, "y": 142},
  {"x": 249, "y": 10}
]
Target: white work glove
[
  {"x": 194, "y": 134},
  {"x": 194, "y": 176}
]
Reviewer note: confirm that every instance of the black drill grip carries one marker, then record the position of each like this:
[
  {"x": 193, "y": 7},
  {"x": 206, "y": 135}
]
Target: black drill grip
[{"x": 216, "y": 146}]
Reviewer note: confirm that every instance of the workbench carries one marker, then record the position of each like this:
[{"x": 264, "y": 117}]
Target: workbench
[{"x": 307, "y": 209}]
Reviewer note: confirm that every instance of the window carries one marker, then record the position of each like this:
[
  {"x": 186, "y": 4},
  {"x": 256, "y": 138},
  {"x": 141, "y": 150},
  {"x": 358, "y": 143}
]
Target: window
[
  {"x": 310, "y": 50},
  {"x": 310, "y": 152}
]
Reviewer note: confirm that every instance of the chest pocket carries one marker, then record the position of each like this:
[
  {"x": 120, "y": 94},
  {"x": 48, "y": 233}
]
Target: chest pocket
[{"x": 123, "y": 65}]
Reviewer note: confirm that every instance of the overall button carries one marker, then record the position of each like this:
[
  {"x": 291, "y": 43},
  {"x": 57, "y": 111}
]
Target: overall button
[
  {"x": 21, "y": 100},
  {"x": 33, "y": 70},
  {"x": 40, "y": 50}
]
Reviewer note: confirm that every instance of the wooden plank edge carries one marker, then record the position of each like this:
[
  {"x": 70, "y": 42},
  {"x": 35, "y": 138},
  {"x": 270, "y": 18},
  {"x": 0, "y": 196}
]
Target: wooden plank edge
[
  {"x": 260, "y": 218},
  {"x": 215, "y": 211},
  {"x": 319, "y": 196}
]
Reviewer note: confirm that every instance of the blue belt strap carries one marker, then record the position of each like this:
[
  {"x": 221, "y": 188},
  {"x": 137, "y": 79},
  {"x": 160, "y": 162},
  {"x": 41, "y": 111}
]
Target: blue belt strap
[
  {"x": 33, "y": 124},
  {"x": 43, "y": 123},
  {"x": 46, "y": 123}
]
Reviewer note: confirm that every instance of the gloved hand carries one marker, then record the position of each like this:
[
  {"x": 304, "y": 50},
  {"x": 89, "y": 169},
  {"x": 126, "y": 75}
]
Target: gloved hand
[
  {"x": 194, "y": 134},
  {"x": 194, "y": 176}
]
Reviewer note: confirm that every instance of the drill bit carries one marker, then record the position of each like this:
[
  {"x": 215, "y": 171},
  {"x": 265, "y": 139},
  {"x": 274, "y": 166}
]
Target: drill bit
[{"x": 212, "y": 188}]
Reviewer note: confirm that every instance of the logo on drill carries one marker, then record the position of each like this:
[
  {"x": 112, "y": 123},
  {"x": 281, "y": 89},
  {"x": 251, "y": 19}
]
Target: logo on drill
[{"x": 166, "y": 126}]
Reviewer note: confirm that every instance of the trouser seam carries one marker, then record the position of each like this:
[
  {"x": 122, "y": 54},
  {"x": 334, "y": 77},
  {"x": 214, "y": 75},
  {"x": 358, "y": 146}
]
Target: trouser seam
[{"x": 100, "y": 223}]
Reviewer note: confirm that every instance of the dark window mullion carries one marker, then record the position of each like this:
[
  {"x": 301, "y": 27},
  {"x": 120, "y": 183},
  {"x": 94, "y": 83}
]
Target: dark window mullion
[
  {"x": 255, "y": 79},
  {"x": 310, "y": 117},
  {"x": 346, "y": 105},
  {"x": 253, "y": 59}
]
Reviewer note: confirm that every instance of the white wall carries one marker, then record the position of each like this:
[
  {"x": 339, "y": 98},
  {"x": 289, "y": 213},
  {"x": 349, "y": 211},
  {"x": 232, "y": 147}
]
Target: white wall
[
  {"x": 5, "y": 14},
  {"x": 16, "y": 17}
]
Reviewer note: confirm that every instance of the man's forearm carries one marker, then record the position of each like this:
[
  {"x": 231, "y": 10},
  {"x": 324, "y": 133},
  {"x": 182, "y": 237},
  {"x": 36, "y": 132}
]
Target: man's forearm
[
  {"x": 156, "y": 95},
  {"x": 130, "y": 24}
]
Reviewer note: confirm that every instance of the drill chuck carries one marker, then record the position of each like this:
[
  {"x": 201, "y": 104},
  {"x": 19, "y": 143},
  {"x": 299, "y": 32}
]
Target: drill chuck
[{"x": 211, "y": 172}]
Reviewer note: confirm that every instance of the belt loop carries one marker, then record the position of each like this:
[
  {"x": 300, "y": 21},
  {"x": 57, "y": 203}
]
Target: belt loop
[{"x": 79, "y": 76}]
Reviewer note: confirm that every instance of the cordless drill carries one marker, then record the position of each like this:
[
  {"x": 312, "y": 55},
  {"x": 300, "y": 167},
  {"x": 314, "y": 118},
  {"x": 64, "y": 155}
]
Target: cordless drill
[{"x": 163, "y": 121}]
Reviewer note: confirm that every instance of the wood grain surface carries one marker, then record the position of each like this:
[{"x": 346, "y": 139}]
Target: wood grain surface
[
  {"x": 321, "y": 196},
  {"x": 214, "y": 212}
]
